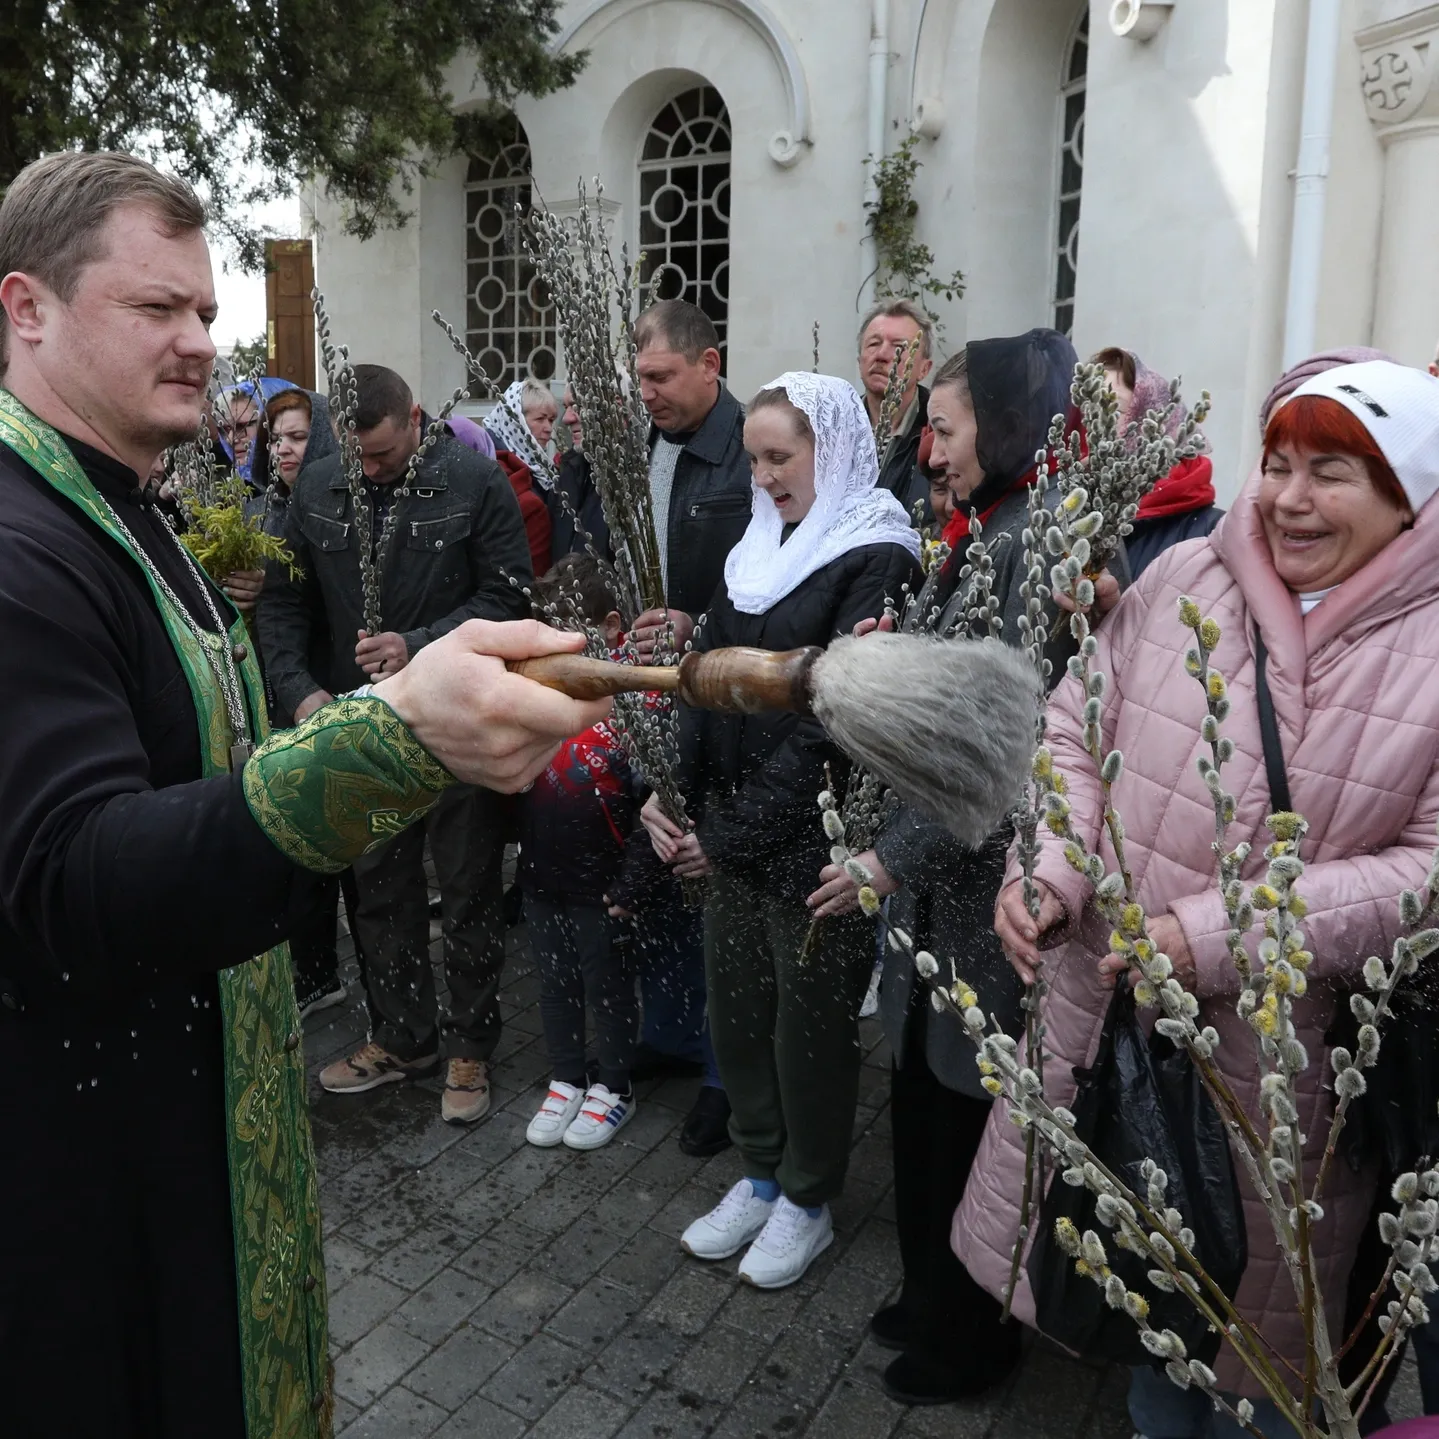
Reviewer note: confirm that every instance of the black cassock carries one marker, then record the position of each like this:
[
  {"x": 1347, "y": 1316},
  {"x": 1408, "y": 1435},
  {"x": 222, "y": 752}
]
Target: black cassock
[{"x": 126, "y": 882}]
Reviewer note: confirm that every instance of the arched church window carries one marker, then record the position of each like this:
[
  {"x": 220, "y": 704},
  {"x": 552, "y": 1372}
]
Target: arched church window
[
  {"x": 509, "y": 316},
  {"x": 1071, "y": 173},
  {"x": 684, "y": 204}
]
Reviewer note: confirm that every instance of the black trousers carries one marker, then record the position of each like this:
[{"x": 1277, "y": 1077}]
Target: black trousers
[
  {"x": 580, "y": 962},
  {"x": 313, "y": 941},
  {"x": 466, "y": 831},
  {"x": 936, "y": 1136}
]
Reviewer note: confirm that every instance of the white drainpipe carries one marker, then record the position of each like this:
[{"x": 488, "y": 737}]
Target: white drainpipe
[
  {"x": 1311, "y": 180},
  {"x": 875, "y": 137}
]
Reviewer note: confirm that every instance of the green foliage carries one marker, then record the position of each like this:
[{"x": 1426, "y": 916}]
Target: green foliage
[
  {"x": 251, "y": 357},
  {"x": 223, "y": 538},
  {"x": 351, "y": 91},
  {"x": 905, "y": 264}
]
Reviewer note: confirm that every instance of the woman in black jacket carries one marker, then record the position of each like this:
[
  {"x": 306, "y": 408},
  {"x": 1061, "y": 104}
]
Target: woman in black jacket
[
  {"x": 824, "y": 549},
  {"x": 991, "y": 408}
]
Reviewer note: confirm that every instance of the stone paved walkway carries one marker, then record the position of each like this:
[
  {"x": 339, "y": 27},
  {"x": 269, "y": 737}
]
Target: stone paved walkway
[{"x": 481, "y": 1288}]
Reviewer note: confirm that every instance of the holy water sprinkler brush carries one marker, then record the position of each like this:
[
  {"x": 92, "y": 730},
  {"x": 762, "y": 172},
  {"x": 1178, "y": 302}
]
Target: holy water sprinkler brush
[{"x": 947, "y": 724}]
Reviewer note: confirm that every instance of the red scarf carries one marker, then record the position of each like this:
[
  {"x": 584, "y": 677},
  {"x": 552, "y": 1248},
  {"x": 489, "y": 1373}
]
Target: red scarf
[
  {"x": 1188, "y": 486},
  {"x": 958, "y": 527}
]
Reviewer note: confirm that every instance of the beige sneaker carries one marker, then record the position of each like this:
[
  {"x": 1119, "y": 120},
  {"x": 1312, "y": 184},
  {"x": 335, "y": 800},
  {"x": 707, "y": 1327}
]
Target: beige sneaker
[
  {"x": 467, "y": 1091},
  {"x": 371, "y": 1066}
]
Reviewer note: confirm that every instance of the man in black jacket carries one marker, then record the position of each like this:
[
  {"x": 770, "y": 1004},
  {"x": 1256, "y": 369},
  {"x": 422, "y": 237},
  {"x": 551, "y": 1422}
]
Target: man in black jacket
[
  {"x": 699, "y": 472},
  {"x": 700, "y": 484},
  {"x": 888, "y": 326},
  {"x": 445, "y": 553}
]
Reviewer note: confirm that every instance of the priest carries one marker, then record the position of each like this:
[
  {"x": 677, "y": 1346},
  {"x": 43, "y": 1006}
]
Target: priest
[{"x": 160, "y": 1265}]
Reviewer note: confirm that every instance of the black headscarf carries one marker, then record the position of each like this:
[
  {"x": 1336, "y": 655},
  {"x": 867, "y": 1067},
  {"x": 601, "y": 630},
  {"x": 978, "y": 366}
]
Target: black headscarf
[{"x": 1017, "y": 386}]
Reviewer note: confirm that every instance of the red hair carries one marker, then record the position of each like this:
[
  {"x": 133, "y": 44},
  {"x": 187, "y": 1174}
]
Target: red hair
[
  {"x": 289, "y": 400},
  {"x": 1321, "y": 426}
]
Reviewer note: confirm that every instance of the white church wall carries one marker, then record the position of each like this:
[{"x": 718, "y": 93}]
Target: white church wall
[
  {"x": 1356, "y": 203},
  {"x": 372, "y": 290},
  {"x": 1179, "y": 133},
  {"x": 794, "y": 231}
]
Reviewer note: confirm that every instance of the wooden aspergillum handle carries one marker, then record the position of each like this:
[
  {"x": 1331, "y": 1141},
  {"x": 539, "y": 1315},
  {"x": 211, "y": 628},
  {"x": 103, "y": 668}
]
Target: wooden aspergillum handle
[
  {"x": 583, "y": 678},
  {"x": 738, "y": 680}
]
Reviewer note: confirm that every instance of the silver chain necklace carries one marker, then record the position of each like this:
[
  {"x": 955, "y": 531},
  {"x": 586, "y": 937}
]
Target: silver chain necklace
[{"x": 216, "y": 647}]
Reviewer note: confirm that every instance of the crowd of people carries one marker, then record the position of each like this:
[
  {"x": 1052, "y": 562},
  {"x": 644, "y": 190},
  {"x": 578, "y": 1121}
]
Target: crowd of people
[{"x": 781, "y": 523}]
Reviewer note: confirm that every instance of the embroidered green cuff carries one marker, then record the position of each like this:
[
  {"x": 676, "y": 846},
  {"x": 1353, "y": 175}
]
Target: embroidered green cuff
[{"x": 347, "y": 779}]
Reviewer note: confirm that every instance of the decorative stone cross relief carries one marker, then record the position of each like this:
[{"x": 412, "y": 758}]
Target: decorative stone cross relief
[{"x": 1396, "y": 68}]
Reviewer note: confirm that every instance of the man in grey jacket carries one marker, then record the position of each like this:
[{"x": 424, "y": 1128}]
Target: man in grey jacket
[{"x": 445, "y": 553}]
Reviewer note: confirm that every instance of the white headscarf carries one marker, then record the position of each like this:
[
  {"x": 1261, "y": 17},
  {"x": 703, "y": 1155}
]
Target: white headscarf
[
  {"x": 512, "y": 432},
  {"x": 848, "y": 510}
]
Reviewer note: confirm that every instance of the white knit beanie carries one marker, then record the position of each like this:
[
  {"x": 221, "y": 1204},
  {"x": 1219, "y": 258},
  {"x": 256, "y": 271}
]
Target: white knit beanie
[{"x": 1400, "y": 409}]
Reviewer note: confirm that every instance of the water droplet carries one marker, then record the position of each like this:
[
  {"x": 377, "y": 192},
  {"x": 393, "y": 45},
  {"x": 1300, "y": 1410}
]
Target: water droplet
[
  {"x": 93, "y": 1083},
  {"x": 135, "y": 1054},
  {"x": 97, "y": 1044},
  {"x": 65, "y": 976},
  {"x": 194, "y": 1071},
  {"x": 188, "y": 1029},
  {"x": 67, "y": 1044}
]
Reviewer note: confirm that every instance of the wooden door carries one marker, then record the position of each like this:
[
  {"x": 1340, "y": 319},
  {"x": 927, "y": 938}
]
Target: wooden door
[{"x": 289, "y": 313}]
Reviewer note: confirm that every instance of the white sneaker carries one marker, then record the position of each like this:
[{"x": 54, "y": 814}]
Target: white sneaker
[
  {"x": 788, "y": 1245},
  {"x": 560, "y": 1106},
  {"x": 729, "y": 1226},
  {"x": 602, "y": 1115}
]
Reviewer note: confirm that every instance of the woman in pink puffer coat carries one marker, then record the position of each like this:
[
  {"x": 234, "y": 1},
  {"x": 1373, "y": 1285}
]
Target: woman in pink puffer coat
[{"x": 1333, "y": 553}]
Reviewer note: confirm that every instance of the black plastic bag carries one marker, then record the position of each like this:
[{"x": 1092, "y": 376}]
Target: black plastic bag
[{"x": 1142, "y": 1098}]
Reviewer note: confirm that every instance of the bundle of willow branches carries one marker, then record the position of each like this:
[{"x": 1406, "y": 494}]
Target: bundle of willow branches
[
  {"x": 596, "y": 301},
  {"x": 1133, "y": 1200},
  {"x": 219, "y": 532},
  {"x": 1111, "y": 468}
]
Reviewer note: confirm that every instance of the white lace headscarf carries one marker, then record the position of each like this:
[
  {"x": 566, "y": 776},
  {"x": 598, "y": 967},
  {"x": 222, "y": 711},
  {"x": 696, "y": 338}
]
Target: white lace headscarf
[{"x": 848, "y": 510}]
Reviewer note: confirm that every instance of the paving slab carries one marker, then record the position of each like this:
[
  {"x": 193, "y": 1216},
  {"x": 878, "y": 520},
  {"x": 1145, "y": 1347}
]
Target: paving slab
[{"x": 485, "y": 1289}]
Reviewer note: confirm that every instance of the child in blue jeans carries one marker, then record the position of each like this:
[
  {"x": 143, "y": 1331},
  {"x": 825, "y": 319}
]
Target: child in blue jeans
[{"x": 574, "y": 821}]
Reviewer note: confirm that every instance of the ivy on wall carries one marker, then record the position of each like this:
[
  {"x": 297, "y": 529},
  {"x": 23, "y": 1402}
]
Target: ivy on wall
[{"x": 905, "y": 265}]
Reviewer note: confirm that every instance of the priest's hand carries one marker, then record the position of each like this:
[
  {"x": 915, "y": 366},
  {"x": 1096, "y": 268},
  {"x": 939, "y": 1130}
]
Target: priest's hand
[
  {"x": 485, "y": 725},
  {"x": 381, "y": 655},
  {"x": 649, "y": 628}
]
